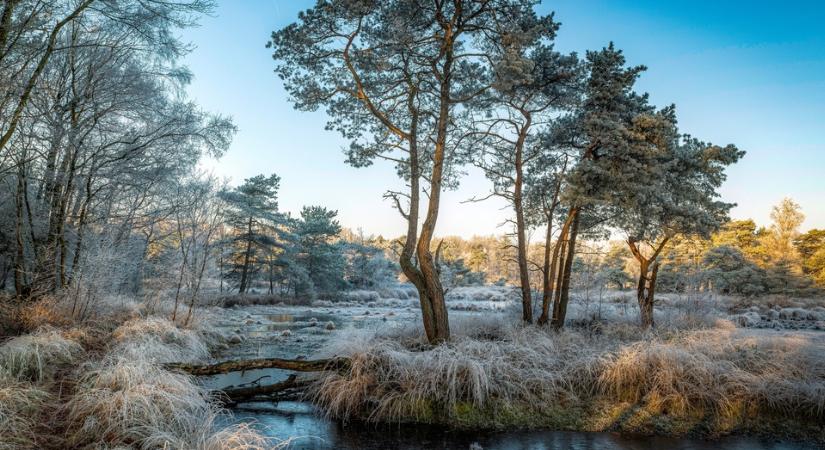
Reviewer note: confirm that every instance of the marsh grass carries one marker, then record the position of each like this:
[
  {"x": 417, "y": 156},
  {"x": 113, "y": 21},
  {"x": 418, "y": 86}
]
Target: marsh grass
[
  {"x": 135, "y": 402},
  {"x": 158, "y": 340},
  {"x": 725, "y": 371},
  {"x": 38, "y": 356},
  {"x": 20, "y": 405},
  {"x": 100, "y": 385},
  {"x": 497, "y": 375},
  {"x": 127, "y": 399}
]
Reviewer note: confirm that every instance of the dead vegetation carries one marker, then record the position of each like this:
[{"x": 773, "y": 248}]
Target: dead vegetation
[
  {"x": 709, "y": 381},
  {"x": 99, "y": 384}
]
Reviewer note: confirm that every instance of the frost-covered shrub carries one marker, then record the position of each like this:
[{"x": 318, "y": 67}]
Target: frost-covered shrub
[
  {"x": 800, "y": 314},
  {"x": 483, "y": 293},
  {"x": 362, "y": 296},
  {"x": 747, "y": 319}
]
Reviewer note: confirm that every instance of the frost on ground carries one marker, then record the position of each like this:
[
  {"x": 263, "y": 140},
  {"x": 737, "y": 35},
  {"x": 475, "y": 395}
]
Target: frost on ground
[{"x": 99, "y": 385}]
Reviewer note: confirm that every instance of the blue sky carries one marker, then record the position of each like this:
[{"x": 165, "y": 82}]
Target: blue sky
[{"x": 745, "y": 72}]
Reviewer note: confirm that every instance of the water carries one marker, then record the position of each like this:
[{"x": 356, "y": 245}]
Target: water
[
  {"x": 308, "y": 430},
  {"x": 311, "y": 432}
]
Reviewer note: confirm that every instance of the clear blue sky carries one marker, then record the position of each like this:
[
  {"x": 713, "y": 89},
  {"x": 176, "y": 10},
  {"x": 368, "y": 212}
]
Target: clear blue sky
[{"x": 745, "y": 72}]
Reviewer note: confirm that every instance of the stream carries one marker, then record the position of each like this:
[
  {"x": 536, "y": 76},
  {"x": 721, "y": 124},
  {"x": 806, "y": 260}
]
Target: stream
[{"x": 300, "y": 332}]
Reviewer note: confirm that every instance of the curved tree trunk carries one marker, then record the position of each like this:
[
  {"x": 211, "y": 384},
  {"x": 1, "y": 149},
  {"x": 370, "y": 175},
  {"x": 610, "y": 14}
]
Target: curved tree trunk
[
  {"x": 521, "y": 233},
  {"x": 426, "y": 263},
  {"x": 645, "y": 293},
  {"x": 646, "y": 285}
]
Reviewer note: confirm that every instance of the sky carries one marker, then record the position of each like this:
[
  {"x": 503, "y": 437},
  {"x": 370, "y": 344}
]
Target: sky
[{"x": 750, "y": 73}]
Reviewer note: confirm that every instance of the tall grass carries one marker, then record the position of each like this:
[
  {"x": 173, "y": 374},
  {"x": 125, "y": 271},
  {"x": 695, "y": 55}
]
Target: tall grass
[
  {"x": 158, "y": 340},
  {"x": 725, "y": 371},
  {"x": 20, "y": 405},
  {"x": 114, "y": 393},
  {"x": 720, "y": 371},
  {"x": 38, "y": 356},
  {"x": 127, "y": 399},
  {"x": 392, "y": 380}
]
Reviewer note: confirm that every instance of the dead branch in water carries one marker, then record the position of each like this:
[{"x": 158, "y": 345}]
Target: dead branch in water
[
  {"x": 290, "y": 387},
  {"x": 297, "y": 365}
]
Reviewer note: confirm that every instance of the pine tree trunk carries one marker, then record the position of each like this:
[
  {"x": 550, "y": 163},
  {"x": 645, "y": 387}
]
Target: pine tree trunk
[
  {"x": 646, "y": 285},
  {"x": 564, "y": 288},
  {"x": 645, "y": 292},
  {"x": 246, "y": 256},
  {"x": 555, "y": 272},
  {"x": 429, "y": 274},
  {"x": 524, "y": 273},
  {"x": 547, "y": 272},
  {"x": 408, "y": 266}
]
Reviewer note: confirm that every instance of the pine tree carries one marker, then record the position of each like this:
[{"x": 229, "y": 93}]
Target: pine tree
[{"x": 254, "y": 220}]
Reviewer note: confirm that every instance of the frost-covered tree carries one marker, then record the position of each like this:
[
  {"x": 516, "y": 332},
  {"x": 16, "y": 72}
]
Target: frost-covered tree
[
  {"x": 730, "y": 272},
  {"x": 614, "y": 266},
  {"x": 636, "y": 172},
  {"x": 533, "y": 83},
  {"x": 367, "y": 264},
  {"x": 252, "y": 214},
  {"x": 671, "y": 190},
  {"x": 394, "y": 76},
  {"x": 596, "y": 127},
  {"x": 93, "y": 125},
  {"x": 318, "y": 253}
]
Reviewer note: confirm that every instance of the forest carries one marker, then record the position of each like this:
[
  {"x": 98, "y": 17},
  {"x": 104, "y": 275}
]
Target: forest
[{"x": 147, "y": 302}]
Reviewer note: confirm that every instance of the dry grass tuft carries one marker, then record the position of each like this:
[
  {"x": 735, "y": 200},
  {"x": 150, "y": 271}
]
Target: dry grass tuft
[
  {"x": 158, "y": 340},
  {"x": 136, "y": 403},
  {"x": 239, "y": 437},
  {"x": 20, "y": 404},
  {"x": 723, "y": 371},
  {"x": 125, "y": 400},
  {"x": 46, "y": 312},
  {"x": 38, "y": 356}
]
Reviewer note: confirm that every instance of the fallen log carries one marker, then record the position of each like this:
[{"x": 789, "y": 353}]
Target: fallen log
[
  {"x": 247, "y": 393},
  {"x": 297, "y": 365}
]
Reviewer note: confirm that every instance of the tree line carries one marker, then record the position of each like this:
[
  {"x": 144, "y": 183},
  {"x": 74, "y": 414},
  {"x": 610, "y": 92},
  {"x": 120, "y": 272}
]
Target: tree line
[
  {"x": 303, "y": 256},
  {"x": 740, "y": 258}
]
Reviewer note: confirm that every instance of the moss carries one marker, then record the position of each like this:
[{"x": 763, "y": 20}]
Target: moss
[
  {"x": 643, "y": 419},
  {"x": 499, "y": 415},
  {"x": 421, "y": 411}
]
